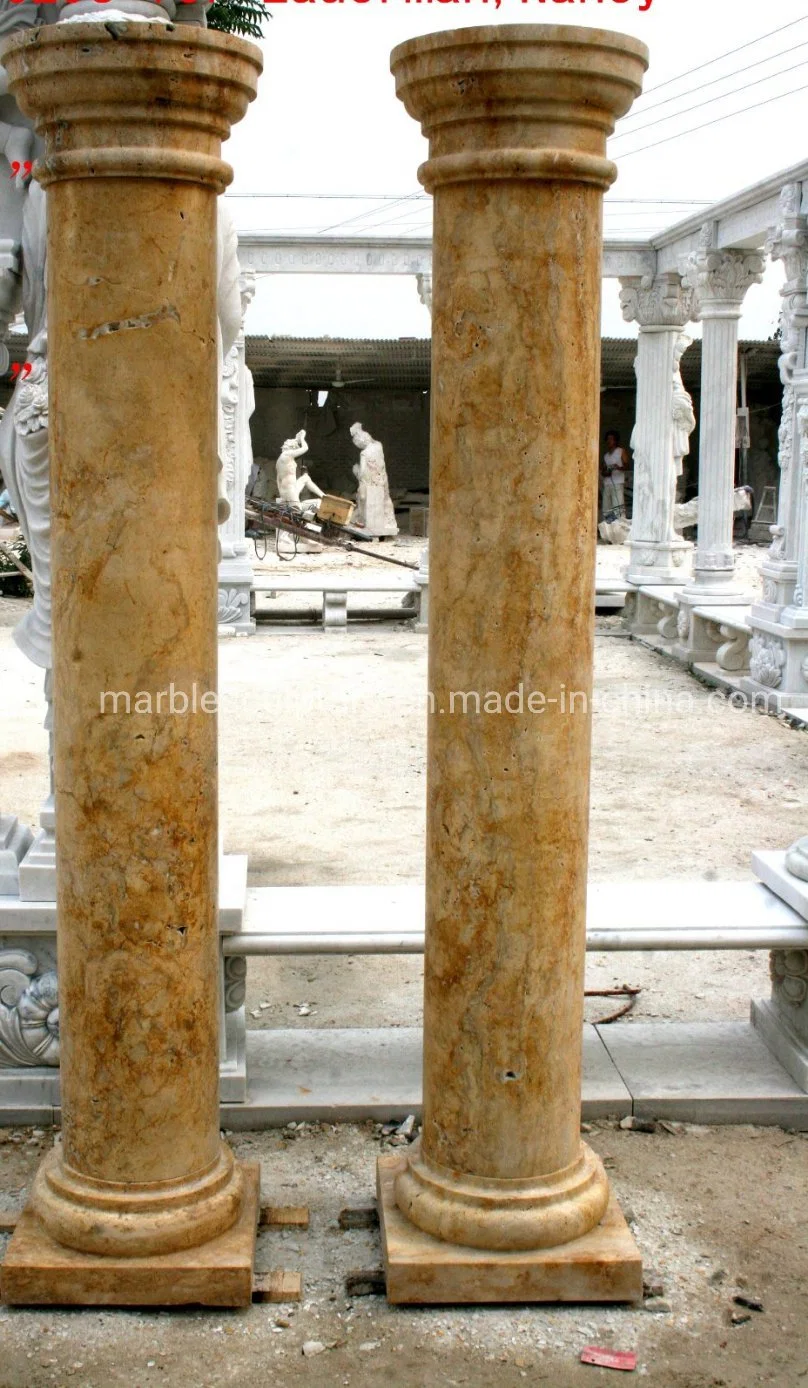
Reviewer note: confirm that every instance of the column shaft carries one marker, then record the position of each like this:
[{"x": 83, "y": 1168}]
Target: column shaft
[
  {"x": 132, "y": 186},
  {"x": 515, "y": 389},
  {"x": 714, "y": 560}
]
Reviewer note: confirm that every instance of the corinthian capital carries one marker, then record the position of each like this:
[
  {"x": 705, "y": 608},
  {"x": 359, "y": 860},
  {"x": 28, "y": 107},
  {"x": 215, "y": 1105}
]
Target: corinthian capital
[
  {"x": 721, "y": 280},
  {"x": 788, "y": 242},
  {"x": 663, "y": 301}
]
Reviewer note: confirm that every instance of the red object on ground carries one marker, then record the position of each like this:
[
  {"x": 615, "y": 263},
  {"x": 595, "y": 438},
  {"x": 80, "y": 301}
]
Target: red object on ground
[{"x": 609, "y": 1358}]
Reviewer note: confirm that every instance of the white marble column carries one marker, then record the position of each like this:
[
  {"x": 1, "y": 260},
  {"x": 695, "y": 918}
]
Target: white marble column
[
  {"x": 778, "y": 675},
  {"x": 721, "y": 280},
  {"x": 662, "y": 307},
  {"x": 238, "y": 404}
]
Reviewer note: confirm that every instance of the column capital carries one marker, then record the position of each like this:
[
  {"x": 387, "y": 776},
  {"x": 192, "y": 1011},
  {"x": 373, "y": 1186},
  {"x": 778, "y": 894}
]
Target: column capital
[
  {"x": 424, "y": 283},
  {"x": 661, "y": 301},
  {"x": 721, "y": 279},
  {"x": 117, "y": 105},
  {"x": 519, "y": 101}
]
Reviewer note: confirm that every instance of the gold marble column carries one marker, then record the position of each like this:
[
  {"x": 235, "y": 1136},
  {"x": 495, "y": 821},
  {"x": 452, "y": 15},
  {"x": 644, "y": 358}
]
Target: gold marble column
[
  {"x": 517, "y": 118},
  {"x": 142, "y": 1202}
]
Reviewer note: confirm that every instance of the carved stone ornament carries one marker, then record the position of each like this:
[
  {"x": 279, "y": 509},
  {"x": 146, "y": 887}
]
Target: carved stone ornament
[
  {"x": 721, "y": 277},
  {"x": 789, "y": 971},
  {"x": 235, "y": 982},
  {"x": 683, "y": 623},
  {"x": 766, "y": 660},
  {"x": 29, "y": 1011},
  {"x": 656, "y": 302},
  {"x": 788, "y": 242},
  {"x": 233, "y": 604}
]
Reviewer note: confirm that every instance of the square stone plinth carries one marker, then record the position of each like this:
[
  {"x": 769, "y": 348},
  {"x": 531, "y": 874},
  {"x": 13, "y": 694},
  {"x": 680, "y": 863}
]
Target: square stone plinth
[
  {"x": 604, "y": 1266},
  {"x": 37, "y": 1271}
]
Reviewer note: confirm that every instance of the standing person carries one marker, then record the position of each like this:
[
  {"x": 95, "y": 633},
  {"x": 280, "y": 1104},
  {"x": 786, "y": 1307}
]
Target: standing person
[{"x": 613, "y": 473}]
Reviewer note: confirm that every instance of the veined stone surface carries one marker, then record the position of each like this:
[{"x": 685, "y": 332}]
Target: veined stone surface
[{"x": 515, "y": 327}]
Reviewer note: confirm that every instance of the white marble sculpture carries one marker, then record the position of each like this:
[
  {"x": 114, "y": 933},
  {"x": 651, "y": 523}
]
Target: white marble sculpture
[
  {"x": 684, "y": 422},
  {"x": 374, "y": 509},
  {"x": 290, "y": 486}
]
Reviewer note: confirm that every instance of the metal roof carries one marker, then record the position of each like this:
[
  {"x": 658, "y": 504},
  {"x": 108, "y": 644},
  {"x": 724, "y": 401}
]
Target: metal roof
[{"x": 314, "y": 363}]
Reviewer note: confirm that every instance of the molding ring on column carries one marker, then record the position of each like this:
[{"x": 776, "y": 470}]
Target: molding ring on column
[
  {"x": 104, "y": 1217},
  {"x": 135, "y": 162},
  {"x": 504, "y": 1215},
  {"x": 546, "y": 165}
]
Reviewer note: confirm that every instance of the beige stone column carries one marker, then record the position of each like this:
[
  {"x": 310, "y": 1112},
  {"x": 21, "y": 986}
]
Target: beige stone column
[
  {"x": 517, "y": 118},
  {"x": 133, "y": 116}
]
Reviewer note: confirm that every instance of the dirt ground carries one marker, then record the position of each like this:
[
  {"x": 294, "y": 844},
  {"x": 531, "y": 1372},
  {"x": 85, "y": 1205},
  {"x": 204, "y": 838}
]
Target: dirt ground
[
  {"x": 716, "y": 1212},
  {"x": 322, "y": 780}
]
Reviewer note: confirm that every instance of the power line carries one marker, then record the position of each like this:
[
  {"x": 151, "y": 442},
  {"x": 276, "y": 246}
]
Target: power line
[
  {"x": 662, "y": 120},
  {"x": 719, "y": 119},
  {"x": 731, "y": 54},
  {"x": 360, "y": 215},
  {"x": 645, "y": 110}
]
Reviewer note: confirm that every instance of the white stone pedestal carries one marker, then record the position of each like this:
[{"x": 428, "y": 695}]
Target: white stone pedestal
[{"x": 782, "y": 1019}]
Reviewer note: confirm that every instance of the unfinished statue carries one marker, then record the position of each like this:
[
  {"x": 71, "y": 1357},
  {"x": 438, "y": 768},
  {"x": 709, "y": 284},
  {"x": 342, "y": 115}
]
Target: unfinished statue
[
  {"x": 290, "y": 486},
  {"x": 374, "y": 509}
]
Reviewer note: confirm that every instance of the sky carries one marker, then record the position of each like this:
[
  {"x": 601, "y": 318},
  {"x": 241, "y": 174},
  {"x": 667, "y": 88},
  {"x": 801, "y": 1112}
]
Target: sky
[{"x": 327, "y": 126}]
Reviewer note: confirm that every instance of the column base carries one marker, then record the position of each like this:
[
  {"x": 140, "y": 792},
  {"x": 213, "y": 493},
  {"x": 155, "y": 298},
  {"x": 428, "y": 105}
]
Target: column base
[
  {"x": 778, "y": 665},
  {"x": 38, "y": 1271},
  {"x": 656, "y": 561},
  {"x": 782, "y": 1039},
  {"x": 603, "y": 1266}
]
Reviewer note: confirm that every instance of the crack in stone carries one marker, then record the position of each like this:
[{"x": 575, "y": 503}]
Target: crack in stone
[{"x": 146, "y": 320}]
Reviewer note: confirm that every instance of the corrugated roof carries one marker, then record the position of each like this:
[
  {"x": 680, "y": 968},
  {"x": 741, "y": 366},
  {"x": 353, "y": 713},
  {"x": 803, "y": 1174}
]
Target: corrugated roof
[{"x": 404, "y": 363}]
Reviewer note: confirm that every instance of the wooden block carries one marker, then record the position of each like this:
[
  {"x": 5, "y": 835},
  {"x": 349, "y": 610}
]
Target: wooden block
[
  {"x": 605, "y": 1265},
  {"x": 335, "y": 508},
  {"x": 37, "y": 1271},
  {"x": 366, "y": 1282},
  {"x": 278, "y": 1285},
  {"x": 8, "y": 1221},
  {"x": 358, "y": 1217},
  {"x": 284, "y": 1216}
]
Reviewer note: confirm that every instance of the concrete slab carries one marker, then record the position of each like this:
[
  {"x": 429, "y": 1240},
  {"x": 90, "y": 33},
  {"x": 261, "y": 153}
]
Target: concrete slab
[
  {"x": 704, "y": 1072},
  {"x": 345, "y": 1075}
]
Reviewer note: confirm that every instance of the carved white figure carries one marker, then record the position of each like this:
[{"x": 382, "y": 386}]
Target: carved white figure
[
  {"x": 290, "y": 486},
  {"x": 684, "y": 422},
  {"x": 374, "y": 509}
]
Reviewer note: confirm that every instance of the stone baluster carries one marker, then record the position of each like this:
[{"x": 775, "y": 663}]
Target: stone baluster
[
  {"x": 142, "y": 1203},
  {"x": 778, "y": 674},
  {"x": 720, "y": 280},
  {"x": 238, "y": 404},
  {"x": 782, "y": 1018},
  {"x": 517, "y": 118},
  {"x": 662, "y": 306}
]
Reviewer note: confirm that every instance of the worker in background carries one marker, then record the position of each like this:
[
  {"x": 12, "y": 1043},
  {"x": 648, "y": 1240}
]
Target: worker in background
[{"x": 616, "y": 463}]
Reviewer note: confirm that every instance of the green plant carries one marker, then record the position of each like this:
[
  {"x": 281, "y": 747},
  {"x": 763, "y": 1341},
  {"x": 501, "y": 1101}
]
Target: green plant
[{"x": 244, "y": 17}]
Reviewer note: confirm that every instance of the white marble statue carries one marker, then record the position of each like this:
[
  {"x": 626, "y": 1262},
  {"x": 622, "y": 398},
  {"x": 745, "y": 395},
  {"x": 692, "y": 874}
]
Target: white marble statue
[
  {"x": 290, "y": 486},
  {"x": 374, "y": 509},
  {"x": 684, "y": 422}
]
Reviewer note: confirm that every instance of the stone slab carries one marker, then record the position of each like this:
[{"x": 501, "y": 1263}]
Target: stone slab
[
  {"x": 37, "y": 1271},
  {"x": 704, "y": 1072},
  {"x": 604, "y": 1266},
  {"x": 333, "y": 1075},
  {"x": 19, "y": 917},
  {"x": 771, "y": 869},
  {"x": 782, "y": 1040}
]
